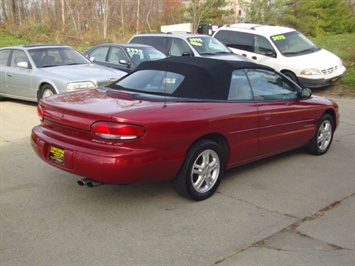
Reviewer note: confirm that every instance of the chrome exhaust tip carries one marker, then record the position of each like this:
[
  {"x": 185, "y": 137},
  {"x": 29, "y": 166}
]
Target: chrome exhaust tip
[
  {"x": 92, "y": 183},
  {"x": 83, "y": 182}
]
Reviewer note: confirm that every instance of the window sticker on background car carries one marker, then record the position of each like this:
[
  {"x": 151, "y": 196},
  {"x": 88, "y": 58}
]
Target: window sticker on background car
[
  {"x": 134, "y": 50},
  {"x": 195, "y": 41},
  {"x": 278, "y": 37},
  {"x": 169, "y": 80}
]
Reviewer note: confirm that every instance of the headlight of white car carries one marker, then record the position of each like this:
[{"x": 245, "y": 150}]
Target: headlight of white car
[
  {"x": 72, "y": 86},
  {"x": 311, "y": 72}
]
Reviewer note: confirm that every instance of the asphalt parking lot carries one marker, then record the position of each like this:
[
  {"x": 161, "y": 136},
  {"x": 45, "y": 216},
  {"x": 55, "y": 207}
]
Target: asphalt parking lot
[{"x": 291, "y": 209}]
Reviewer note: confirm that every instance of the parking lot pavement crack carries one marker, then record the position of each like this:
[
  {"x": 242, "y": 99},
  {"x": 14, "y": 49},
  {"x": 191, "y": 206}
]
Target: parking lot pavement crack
[
  {"x": 262, "y": 208},
  {"x": 16, "y": 142},
  {"x": 345, "y": 123},
  {"x": 294, "y": 241},
  {"x": 289, "y": 239},
  {"x": 344, "y": 136},
  {"x": 317, "y": 214},
  {"x": 3, "y": 140},
  {"x": 285, "y": 241}
]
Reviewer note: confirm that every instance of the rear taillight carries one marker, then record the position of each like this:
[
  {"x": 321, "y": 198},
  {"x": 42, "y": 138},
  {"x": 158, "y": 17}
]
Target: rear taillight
[
  {"x": 111, "y": 130},
  {"x": 40, "y": 112}
]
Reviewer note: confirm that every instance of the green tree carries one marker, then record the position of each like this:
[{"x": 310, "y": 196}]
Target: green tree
[
  {"x": 338, "y": 17},
  {"x": 207, "y": 11},
  {"x": 318, "y": 17},
  {"x": 261, "y": 11}
]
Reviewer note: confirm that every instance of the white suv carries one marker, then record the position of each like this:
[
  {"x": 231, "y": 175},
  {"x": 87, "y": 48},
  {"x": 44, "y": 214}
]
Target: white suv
[
  {"x": 186, "y": 44},
  {"x": 284, "y": 49}
]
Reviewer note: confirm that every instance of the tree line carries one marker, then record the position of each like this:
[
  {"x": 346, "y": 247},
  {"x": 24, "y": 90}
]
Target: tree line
[{"x": 117, "y": 20}]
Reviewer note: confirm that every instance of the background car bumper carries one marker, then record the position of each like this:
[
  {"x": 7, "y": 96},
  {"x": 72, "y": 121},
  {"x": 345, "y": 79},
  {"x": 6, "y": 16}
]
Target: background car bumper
[{"x": 319, "y": 83}]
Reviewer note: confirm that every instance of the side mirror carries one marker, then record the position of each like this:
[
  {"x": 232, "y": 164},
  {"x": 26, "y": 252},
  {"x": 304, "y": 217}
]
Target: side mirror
[
  {"x": 186, "y": 54},
  {"x": 22, "y": 64},
  {"x": 92, "y": 59},
  {"x": 271, "y": 54},
  {"x": 306, "y": 93},
  {"x": 123, "y": 62}
]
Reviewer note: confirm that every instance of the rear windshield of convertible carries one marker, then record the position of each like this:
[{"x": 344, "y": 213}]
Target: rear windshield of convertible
[{"x": 151, "y": 81}]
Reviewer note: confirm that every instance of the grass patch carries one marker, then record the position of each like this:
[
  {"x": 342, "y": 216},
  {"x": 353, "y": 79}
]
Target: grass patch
[
  {"x": 7, "y": 39},
  {"x": 343, "y": 46}
]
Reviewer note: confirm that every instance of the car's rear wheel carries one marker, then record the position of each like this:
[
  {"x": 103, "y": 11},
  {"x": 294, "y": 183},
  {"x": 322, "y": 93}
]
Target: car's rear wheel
[
  {"x": 201, "y": 171},
  {"x": 46, "y": 91},
  {"x": 323, "y": 137}
]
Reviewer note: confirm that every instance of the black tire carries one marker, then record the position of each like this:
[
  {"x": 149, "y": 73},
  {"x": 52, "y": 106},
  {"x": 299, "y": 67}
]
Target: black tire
[
  {"x": 323, "y": 137},
  {"x": 45, "y": 91},
  {"x": 201, "y": 172},
  {"x": 292, "y": 77}
]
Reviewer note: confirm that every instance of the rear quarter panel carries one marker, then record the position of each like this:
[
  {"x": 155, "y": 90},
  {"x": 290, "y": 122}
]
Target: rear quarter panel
[{"x": 173, "y": 128}]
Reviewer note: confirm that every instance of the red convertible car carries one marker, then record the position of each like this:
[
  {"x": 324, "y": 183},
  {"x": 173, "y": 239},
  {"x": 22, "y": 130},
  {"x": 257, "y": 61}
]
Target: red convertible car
[{"x": 181, "y": 119}]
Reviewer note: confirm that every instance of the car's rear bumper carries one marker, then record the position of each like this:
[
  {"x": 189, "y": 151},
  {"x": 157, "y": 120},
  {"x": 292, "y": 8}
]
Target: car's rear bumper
[{"x": 108, "y": 166}]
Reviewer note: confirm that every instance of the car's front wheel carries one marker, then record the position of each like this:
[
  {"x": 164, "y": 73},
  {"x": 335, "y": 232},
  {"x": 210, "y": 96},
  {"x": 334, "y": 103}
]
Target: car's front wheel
[
  {"x": 201, "y": 171},
  {"x": 46, "y": 91},
  {"x": 323, "y": 137},
  {"x": 292, "y": 77}
]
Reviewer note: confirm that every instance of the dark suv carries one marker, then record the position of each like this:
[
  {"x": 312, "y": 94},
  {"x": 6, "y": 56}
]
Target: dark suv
[{"x": 184, "y": 44}]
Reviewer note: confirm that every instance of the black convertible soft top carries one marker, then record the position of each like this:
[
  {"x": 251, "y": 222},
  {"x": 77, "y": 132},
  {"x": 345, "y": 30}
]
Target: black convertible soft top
[{"x": 205, "y": 78}]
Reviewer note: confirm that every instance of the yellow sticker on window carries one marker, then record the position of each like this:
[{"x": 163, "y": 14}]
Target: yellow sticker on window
[
  {"x": 195, "y": 41},
  {"x": 278, "y": 37},
  {"x": 134, "y": 50}
]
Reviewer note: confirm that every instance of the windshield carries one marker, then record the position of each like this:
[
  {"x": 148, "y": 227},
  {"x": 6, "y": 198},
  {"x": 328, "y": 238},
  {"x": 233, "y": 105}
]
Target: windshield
[
  {"x": 57, "y": 56},
  {"x": 142, "y": 54},
  {"x": 293, "y": 43},
  {"x": 151, "y": 81},
  {"x": 208, "y": 45}
]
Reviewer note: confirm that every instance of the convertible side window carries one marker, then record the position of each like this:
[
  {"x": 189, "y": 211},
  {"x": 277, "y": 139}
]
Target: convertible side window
[
  {"x": 268, "y": 85},
  {"x": 239, "y": 88}
]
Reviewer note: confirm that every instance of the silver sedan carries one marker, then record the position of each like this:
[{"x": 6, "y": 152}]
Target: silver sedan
[{"x": 31, "y": 72}]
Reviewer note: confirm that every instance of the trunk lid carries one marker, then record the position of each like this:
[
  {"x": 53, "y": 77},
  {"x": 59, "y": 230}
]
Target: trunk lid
[{"x": 80, "y": 109}]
